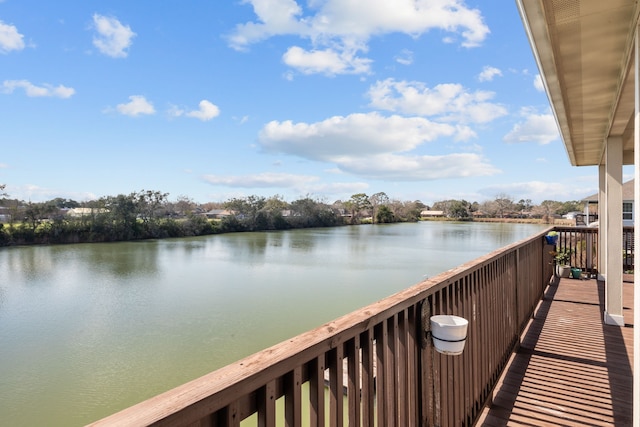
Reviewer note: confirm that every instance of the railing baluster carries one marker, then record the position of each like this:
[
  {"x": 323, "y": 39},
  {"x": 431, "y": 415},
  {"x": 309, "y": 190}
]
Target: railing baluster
[
  {"x": 336, "y": 386},
  {"x": 381, "y": 384},
  {"x": 366, "y": 343},
  {"x": 293, "y": 400},
  {"x": 316, "y": 391},
  {"x": 267, "y": 405},
  {"x": 353, "y": 375},
  {"x": 401, "y": 369}
]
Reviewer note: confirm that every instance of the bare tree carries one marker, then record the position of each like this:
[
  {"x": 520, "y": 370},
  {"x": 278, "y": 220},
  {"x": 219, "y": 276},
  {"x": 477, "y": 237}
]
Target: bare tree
[
  {"x": 503, "y": 204},
  {"x": 547, "y": 209}
]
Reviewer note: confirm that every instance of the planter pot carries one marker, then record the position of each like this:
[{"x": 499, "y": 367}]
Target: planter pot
[
  {"x": 563, "y": 271},
  {"x": 449, "y": 334},
  {"x": 551, "y": 240},
  {"x": 576, "y": 273}
]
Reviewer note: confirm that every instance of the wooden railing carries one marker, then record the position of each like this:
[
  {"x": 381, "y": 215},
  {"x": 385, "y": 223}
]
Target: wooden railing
[
  {"x": 375, "y": 366},
  {"x": 582, "y": 243},
  {"x": 628, "y": 249}
]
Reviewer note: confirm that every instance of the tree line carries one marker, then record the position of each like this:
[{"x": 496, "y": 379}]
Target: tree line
[
  {"x": 505, "y": 206},
  {"x": 149, "y": 214}
]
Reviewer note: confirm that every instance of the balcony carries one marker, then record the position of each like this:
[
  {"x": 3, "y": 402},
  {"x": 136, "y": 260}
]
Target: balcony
[{"x": 536, "y": 351}]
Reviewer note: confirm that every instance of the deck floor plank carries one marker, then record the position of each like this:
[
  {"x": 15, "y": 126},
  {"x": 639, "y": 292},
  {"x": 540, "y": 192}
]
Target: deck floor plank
[{"x": 571, "y": 368}]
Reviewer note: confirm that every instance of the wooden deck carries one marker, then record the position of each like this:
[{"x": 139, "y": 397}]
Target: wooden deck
[{"x": 571, "y": 369}]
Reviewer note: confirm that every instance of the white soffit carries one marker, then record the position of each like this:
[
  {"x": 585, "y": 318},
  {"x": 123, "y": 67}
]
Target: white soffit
[{"x": 583, "y": 50}]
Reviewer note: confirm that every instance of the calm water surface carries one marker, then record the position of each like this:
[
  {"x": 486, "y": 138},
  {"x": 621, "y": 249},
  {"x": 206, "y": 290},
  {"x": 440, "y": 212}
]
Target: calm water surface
[{"x": 86, "y": 330}]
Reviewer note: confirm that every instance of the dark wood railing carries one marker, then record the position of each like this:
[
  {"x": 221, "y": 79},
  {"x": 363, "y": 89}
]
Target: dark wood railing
[
  {"x": 582, "y": 243},
  {"x": 375, "y": 366}
]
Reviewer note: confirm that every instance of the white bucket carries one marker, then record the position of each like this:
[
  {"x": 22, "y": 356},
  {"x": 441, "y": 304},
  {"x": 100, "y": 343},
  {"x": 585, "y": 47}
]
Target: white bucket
[{"x": 449, "y": 333}]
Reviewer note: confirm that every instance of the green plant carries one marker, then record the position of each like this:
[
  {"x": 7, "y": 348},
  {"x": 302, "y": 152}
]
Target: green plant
[
  {"x": 552, "y": 233},
  {"x": 562, "y": 256}
]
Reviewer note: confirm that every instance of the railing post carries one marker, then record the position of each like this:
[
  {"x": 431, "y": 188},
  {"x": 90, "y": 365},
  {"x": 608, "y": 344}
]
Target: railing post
[
  {"x": 427, "y": 384},
  {"x": 515, "y": 293}
]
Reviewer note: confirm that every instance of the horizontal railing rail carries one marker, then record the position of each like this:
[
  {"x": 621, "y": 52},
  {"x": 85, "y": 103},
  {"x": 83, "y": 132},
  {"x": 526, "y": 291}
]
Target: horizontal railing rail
[{"x": 376, "y": 365}]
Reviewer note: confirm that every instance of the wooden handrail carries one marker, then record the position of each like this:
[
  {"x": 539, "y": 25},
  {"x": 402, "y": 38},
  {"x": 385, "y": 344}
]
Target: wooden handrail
[{"x": 375, "y": 363}]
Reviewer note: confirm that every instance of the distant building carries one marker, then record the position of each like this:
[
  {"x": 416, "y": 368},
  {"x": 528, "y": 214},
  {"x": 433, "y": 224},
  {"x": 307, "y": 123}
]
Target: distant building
[
  {"x": 80, "y": 212},
  {"x": 627, "y": 204},
  {"x": 218, "y": 213},
  {"x": 431, "y": 214}
]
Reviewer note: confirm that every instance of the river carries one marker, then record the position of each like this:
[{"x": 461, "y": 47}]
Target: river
[{"x": 88, "y": 329}]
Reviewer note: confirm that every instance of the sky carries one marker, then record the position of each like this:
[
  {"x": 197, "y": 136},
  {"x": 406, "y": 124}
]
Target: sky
[{"x": 424, "y": 100}]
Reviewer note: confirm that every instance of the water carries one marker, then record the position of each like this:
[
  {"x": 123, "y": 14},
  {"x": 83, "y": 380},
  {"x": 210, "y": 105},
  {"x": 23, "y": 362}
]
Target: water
[{"x": 86, "y": 330}]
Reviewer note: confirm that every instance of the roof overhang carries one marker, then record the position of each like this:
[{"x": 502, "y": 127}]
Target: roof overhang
[{"x": 584, "y": 51}]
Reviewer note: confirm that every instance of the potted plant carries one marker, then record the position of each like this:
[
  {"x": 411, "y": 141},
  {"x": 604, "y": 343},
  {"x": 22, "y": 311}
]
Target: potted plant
[
  {"x": 551, "y": 238},
  {"x": 562, "y": 260}
]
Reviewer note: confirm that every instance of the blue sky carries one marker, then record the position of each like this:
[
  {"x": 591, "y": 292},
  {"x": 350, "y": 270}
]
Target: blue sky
[{"x": 422, "y": 100}]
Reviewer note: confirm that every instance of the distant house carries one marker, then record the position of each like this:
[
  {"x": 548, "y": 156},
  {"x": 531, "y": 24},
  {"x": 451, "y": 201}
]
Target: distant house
[
  {"x": 80, "y": 212},
  {"x": 218, "y": 213},
  {"x": 431, "y": 214},
  {"x": 627, "y": 203}
]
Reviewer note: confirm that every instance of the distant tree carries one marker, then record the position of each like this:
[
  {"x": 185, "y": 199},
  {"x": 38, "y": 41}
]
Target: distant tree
[
  {"x": 378, "y": 199},
  {"x": 273, "y": 210},
  {"x": 359, "y": 202},
  {"x": 405, "y": 211},
  {"x": 246, "y": 210},
  {"x": 184, "y": 206},
  {"x": 64, "y": 203},
  {"x": 275, "y": 204},
  {"x": 460, "y": 209},
  {"x": 547, "y": 209},
  {"x": 524, "y": 205},
  {"x": 150, "y": 204},
  {"x": 35, "y": 213},
  {"x": 570, "y": 206},
  {"x": 503, "y": 205},
  {"x": 384, "y": 215},
  {"x": 308, "y": 212},
  {"x": 2, "y": 192},
  {"x": 122, "y": 212},
  {"x": 452, "y": 208}
]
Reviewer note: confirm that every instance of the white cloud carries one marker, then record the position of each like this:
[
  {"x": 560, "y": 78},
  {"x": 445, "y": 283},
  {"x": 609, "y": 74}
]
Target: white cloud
[
  {"x": 374, "y": 146},
  {"x": 538, "y": 84},
  {"x": 447, "y": 102},
  {"x": 206, "y": 112},
  {"x": 10, "y": 38},
  {"x": 336, "y": 137},
  {"x": 136, "y": 106},
  {"x": 326, "y": 61},
  {"x": 262, "y": 180},
  {"x": 488, "y": 73},
  {"x": 339, "y": 29},
  {"x": 302, "y": 184},
  {"x": 405, "y": 57},
  {"x": 46, "y": 90},
  {"x": 113, "y": 39},
  {"x": 538, "y": 128},
  {"x": 418, "y": 168}
]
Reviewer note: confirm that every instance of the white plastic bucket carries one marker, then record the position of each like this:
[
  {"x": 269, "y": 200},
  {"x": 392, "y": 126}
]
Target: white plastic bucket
[{"x": 449, "y": 333}]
